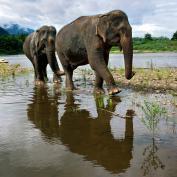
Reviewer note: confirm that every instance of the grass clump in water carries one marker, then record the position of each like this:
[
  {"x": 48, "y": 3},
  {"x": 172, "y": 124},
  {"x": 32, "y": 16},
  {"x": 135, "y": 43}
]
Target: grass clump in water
[
  {"x": 153, "y": 113},
  {"x": 11, "y": 69}
]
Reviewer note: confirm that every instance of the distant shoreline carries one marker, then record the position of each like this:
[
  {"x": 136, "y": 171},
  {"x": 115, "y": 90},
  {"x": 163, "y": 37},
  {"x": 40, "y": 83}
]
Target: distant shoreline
[{"x": 112, "y": 52}]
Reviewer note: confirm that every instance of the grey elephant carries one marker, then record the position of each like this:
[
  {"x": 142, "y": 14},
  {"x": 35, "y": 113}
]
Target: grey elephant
[
  {"x": 88, "y": 40},
  {"x": 39, "y": 47}
]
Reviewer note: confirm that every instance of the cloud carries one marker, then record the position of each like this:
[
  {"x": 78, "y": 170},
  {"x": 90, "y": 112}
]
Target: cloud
[{"x": 154, "y": 16}]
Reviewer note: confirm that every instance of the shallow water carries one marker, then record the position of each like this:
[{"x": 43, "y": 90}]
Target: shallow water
[
  {"x": 49, "y": 132},
  {"x": 145, "y": 60}
]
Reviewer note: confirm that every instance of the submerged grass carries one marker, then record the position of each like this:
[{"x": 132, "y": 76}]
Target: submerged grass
[{"x": 11, "y": 69}]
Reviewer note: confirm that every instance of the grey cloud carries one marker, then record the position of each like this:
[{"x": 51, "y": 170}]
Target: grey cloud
[{"x": 34, "y": 13}]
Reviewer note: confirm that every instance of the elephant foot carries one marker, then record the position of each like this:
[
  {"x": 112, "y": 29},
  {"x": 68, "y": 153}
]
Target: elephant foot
[
  {"x": 71, "y": 88},
  {"x": 39, "y": 82},
  {"x": 60, "y": 73},
  {"x": 114, "y": 90},
  {"x": 57, "y": 81},
  {"x": 98, "y": 90}
]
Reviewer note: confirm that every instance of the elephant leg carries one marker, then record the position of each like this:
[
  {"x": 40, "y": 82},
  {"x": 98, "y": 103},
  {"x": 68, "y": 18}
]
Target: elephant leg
[
  {"x": 56, "y": 78},
  {"x": 98, "y": 88},
  {"x": 69, "y": 81},
  {"x": 38, "y": 72},
  {"x": 68, "y": 70},
  {"x": 97, "y": 62},
  {"x": 35, "y": 73},
  {"x": 45, "y": 72}
]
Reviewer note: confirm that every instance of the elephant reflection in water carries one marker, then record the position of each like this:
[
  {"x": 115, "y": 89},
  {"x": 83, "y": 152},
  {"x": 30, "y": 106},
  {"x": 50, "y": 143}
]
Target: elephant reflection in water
[
  {"x": 43, "y": 111},
  {"x": 81, "y": 133}
]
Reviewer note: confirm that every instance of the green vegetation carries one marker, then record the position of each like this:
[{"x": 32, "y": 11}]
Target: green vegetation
[
  {"x": 11, "y": 44},
  {"x": 141, "y": 45},
  {"x": 7, "y": 70},
  {"x": 164, "y": 79},
  {"x": 153, "y": 79},
  {"x": 153, "y": 112},
  {"x": 148, "y": 37},
  {"x": 152, "y": 44},
  {"x": 174, "y": 36}
]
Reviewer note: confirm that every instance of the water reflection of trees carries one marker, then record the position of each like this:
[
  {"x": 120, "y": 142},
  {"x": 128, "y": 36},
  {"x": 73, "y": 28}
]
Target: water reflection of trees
[{"x": 80, "y": 132}]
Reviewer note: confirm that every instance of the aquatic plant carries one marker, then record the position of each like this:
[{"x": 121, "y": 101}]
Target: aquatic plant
[
  {"x": 7, "y": 69},
  {"x": 153, "y": 113}
]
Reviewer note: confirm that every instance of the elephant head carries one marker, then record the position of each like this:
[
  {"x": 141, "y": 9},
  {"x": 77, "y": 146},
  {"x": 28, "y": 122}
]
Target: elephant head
[
  {"x": 115, "y": 30},
  {"x": 45, "y": 43}
]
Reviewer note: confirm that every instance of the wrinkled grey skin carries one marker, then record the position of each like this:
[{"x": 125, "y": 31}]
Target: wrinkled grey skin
[
  {"x": 88, "y": 40},
  {"x": 39, "y": 47}
]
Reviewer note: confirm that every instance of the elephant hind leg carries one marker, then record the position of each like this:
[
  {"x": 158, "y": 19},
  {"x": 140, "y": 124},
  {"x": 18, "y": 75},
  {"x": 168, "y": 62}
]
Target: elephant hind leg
[{"x": 68, "y": 70}]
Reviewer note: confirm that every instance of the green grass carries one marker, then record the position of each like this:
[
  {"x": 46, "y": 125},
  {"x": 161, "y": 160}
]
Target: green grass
[
  {"x": 7, "y": 69},
  {"x": 164, "y": 79},
  {"x": 153, "y": 113},
  {"x": 141, "y": 45}
]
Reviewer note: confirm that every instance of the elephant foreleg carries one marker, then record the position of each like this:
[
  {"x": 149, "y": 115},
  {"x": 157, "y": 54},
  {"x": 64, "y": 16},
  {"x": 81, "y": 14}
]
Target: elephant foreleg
[
  {"x": 45, "y": 72},
  {"x": 38, "y": 72},
  {"x": 97, "y": 62},
  {"x": 98, "y": 79}
]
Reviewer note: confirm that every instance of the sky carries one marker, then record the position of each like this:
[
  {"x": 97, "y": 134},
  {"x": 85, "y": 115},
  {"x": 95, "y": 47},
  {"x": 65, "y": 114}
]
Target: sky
[{"x": 157, "y": 17}]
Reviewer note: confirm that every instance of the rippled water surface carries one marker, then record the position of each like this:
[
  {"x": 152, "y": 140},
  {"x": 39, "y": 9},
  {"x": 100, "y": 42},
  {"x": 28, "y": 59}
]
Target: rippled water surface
[{"x": 48, "y": 132}]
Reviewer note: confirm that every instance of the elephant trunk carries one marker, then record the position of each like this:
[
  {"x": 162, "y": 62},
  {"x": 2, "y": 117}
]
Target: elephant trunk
[
  {"x": 127, "y": 46},
  {"x": 52, "y": 60}
]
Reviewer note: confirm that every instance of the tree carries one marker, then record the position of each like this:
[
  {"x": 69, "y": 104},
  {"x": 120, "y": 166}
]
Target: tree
[
  {"x": 148, "y": 36},
  {"x": 174, "y": 36}
]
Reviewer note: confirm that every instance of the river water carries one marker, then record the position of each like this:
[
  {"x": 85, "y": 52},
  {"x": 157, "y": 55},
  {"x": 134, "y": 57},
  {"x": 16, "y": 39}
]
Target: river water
[
  {"x": 45, "y": 131},
  {"x": 145, "y": 60}
]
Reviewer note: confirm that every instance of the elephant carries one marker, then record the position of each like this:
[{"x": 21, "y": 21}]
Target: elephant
[
  {"x": 82, "y": 132},
  {"x": 39, "y": 47},
  {"x": 88, "y": 40}
]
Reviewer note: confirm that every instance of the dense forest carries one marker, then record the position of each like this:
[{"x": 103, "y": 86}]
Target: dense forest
[{"x": 11, "y": 44}]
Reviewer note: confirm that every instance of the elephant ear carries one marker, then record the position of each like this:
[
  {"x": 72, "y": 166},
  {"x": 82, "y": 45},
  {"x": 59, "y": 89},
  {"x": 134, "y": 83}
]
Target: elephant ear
[
  {"x": 36, "y": 39},
  {"x": 102, "y": 26}
]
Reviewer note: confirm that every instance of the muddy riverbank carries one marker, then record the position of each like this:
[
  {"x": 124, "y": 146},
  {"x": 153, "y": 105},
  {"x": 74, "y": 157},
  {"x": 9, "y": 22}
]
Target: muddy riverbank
[{"x": 159, "y": 80}]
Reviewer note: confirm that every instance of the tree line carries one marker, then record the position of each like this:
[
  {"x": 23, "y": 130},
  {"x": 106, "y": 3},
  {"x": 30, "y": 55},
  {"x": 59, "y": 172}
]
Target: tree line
[{"x": 12, "y": 44}]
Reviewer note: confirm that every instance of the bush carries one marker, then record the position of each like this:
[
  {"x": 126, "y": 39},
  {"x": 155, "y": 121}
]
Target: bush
[
  {"x": 148, "y": 37},
  {"x": 174, "y": 36}
]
